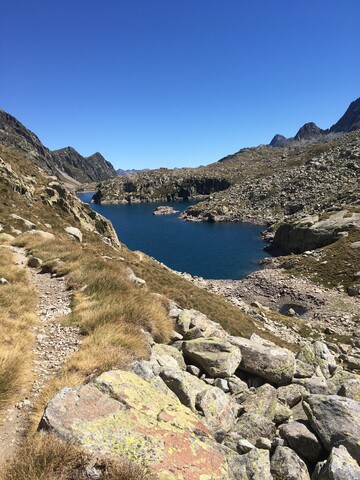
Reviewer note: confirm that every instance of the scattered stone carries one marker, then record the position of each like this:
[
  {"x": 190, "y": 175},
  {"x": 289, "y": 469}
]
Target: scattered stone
[
  {"x": 74, "y": 232},
  {"x": 291, "y": 394},
  {"x": 254, "y": 465}
]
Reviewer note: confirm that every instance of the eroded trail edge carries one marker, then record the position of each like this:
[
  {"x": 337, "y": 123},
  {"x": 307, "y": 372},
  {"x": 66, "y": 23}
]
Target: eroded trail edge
[{"x": 53, "y": 343}]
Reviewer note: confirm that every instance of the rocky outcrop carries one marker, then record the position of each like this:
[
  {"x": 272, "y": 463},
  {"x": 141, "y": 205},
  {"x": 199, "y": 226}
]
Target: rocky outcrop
[
  {"x": 164, "y": 210},
  {"x": 122, "y": 414},
  {"x": 175, "y": 411},
  {"x": 314, "y": 231}
]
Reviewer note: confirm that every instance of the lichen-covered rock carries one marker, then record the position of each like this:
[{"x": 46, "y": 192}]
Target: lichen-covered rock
[
  {"x": 261, "y": 401},
  {"x": 220, "y": 410},
  {"x": 168, "y": 356},
  {"x": 291, "y": 394},
  {"x": 217, "y": 358},
  {"x": 301, "y": 440},
  {"x": 317, "y": 354},
  {"x": 287, "y": 465},
  {"x": 274, "y": 364},
  {"x": 122, "y": 414},
  {"x": 185, "y": 386},
  {"x": 254, "y": 465},
  {"x": 252, "y": 426},
  {"x": 336, "y": 420},
  {"x": 339, "y": 466}
]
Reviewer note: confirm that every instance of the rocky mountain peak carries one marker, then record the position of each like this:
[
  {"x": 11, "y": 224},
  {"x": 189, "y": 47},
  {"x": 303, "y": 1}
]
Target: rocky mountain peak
[
  {"x": 308, "y": 132},
  {"x": 278, "y": 141},
  {"x": 350, "y": 121}
]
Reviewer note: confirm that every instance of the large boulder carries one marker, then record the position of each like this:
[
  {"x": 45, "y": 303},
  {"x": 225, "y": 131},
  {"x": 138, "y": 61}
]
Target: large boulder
[
  {"x": 217, "y": 358},
  {"x": 254, "y": 465},
  {"x": 265, "y": 402},
  {"x": 317, "y": 354},
  {"x": 339, "y": 466},
  {"x": 301, "y": 440},
  {"x": 185, "y": 386},
  {"x": 220, "y": 410},
  {"x": 287, "y": 465},
  {"x": 252, "y": 427},
  {"x": 122, "y": 414},
  {"x": 336, "y": 420},
  {"x": 274, "y": 364}
]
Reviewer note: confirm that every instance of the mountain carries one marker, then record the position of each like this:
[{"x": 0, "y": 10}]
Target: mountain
[
  {"x": 310, "y": 132},
  {"x": 350, "y": 121},
  {"x": 65, "y": 163},
  {"x": 84, "y": 169}
]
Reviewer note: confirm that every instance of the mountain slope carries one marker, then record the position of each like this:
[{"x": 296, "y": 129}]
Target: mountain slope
[{"x": 65, "y": 163}]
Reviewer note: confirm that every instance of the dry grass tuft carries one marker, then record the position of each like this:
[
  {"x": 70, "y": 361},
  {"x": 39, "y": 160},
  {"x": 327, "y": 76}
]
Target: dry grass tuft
[
  {"x": 18, "y": 302},
  {"x": 44, "y": 457}
]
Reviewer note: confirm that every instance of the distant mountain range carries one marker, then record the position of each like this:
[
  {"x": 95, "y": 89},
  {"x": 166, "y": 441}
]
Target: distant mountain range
[
  {"x": 125, "y": 173},
  {"x": 310, "y": 132}
]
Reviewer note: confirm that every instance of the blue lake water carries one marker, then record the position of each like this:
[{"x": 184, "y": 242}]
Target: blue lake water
[{"x": 209, "y": 250}]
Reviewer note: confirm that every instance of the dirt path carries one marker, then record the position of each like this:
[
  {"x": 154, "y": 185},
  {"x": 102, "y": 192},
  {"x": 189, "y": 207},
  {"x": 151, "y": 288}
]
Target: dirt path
[{"x": 52, "y": 344}]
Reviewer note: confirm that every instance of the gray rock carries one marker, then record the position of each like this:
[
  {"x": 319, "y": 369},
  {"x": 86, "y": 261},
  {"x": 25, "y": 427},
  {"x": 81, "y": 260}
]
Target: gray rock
[
  {"x": 252, "y": 426},
  {"x": 222, "y": 384},
  {"x": 194, "y": 370},
  {"x": 74, "y": 232},
  {"x": 254, "y": 465},
  {"x": 303, "y": 370},
  {"x": 263, "y": 443},
  {"x": 287, "y": 465},
  {"x": 216, "y": 357},
  {"x": 220, "y": 410},
  {"x": 352, "y": 362},
  {"x": 183, "y": 322},
  {"x": 168, "y": 356},
  {"x": 264, "y": 402},
  {"x": 301, "y": 440},
  {"x": 315, "y": 385},
  {"x": 351, "y": 389},
  {"x": 29, "y": 225},
  {"x": 339, "y": 466},
  {"x": 336, "y": 420},
  {"x": 274, "y": 364},
  {"x": 317, "y": 354},
  {"x": 236, "y": 385},
  {"x": 244, "y": 446},
  {"x": 185, "y": 386},
  {"x": 291, "y": 394},
  {"x": 3, "y": 281}
]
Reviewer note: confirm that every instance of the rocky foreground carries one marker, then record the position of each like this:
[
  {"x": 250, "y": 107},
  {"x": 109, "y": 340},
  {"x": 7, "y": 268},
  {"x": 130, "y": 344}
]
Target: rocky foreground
[{"x": 213, "y": 406}]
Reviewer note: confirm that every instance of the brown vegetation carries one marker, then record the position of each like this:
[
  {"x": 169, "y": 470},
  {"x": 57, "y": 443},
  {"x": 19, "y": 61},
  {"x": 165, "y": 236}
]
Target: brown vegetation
[{"x": 44, "y": 457}]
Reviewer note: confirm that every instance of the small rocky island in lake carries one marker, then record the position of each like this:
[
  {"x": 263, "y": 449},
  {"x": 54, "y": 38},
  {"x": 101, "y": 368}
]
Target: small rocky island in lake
[{"x": 164, "y": 210}]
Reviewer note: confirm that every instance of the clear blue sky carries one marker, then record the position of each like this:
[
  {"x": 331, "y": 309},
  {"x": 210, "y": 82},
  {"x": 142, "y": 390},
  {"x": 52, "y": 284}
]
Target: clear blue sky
[{"x": 152, "y": 83}]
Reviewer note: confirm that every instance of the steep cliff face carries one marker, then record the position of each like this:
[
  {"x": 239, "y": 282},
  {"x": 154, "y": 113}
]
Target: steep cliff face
[{"x": 65, "y": 161}]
